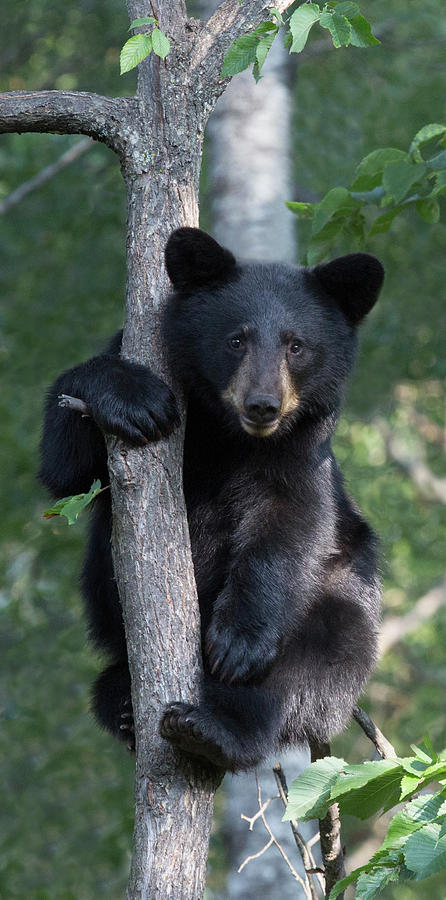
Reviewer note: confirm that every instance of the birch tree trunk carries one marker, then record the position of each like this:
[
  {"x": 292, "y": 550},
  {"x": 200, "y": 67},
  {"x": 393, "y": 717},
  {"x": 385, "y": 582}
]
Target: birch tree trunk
[
  {"x": 158, "y": 138},
  {"x": 250, "y": 180}
]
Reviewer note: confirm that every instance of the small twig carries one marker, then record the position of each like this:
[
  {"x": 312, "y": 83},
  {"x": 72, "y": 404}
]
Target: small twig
[
  {"x": 252, "y": 819},
  {"x": 330, "y": 833},
  {"x": 383, "y": 746},
  {"x": 303, "y": 848},
  {"x": 313, "y": 840},
  {"x": 255, "y": 855},
  {"x": 74, "y": 403},
  {"x": 272, "y": 840}
]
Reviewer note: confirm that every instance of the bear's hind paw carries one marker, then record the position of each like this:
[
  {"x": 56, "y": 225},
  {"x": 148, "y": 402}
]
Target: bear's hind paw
[
  {"x": 127, "y": 729},
  {"x": 184, "y": 726}
]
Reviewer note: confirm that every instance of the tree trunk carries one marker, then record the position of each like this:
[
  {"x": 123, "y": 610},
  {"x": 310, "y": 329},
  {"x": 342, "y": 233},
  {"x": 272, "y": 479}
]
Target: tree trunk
[{"x": 158, "y": 137}]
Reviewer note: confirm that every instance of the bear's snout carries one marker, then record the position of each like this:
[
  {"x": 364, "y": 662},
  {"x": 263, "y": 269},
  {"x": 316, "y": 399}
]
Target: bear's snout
[{"x": 262, "y": 409}]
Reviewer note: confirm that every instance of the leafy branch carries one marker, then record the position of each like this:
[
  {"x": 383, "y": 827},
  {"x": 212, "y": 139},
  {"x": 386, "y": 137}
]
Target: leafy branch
[
  {"x": 71, "y": 507},
  {"x": 415, "y": 844},
  {"x": 141, "y": 45},
  {"x": 387, "y": 182},
  {"x": 342, "y": 20}
]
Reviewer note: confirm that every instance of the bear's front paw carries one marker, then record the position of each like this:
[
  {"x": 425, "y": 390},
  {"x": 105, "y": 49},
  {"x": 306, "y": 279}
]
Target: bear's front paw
[
  {"x": 139, "y": 409},
  {"x": 235, "y": 655}
]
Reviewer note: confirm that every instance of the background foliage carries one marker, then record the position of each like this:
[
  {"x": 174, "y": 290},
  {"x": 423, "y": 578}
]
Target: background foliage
[{"x": 66, "y": 815}]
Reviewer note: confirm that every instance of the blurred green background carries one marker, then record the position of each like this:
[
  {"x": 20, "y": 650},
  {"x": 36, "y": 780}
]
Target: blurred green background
[{"x": 67, "y": 800}]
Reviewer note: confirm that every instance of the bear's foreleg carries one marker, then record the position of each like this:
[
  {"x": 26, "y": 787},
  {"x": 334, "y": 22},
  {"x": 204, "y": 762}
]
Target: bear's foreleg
[
  {"x": 123, "y": 399},
  {"x": 250, "y": 619}
]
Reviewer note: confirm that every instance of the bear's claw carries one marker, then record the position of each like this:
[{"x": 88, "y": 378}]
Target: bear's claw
[{"x": 182, "y": 725}]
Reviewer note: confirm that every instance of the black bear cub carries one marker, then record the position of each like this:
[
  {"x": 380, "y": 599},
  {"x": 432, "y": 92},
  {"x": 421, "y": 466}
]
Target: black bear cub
[{"x": 285, "y": 564}]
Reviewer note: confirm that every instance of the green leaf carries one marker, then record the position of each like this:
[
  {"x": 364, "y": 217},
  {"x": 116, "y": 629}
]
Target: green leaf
[
  {"x": 361, "y": 35},
  {"x": 386, "y": 860},
  {"x": 160, "y": 43},
  {"x": 383, "y": 223},
  {"x": 266, "y": 27},
  {"x": 365, "y": 789},
  {"x": 240, "y": 55},
  {"x": 344, "y": 883},
  {"x": 371, "y": 197},
  {"x": 409, "y": 784},
  {"x": 415, "y": 815},
  {"x": 371, "y": 883},
  {"x": 347, "y": 9},
  {"x": 425, "y": 851},
  {"x": 70, "y": 507},
  {"x": 440, "y": 184},
  {"x": 309, "y": 795},
  {"x": 415, "y": 765},
  {"x": 427, "y": 807},
  {"x": 318, "y": 250},
  {"x": 436, "y": 771},
  {"x": 336, "y": 202},
  {"x": 425, "y": 751},
  {"x": 277, "y": 15},
  {"x": 303, "y": 210},
  {"x": 438, "y": 161},
  {"x": 429, "y": 210},
  {"x": 330, "y": 230},
  {"x": 376, "y": 161},
  {"x": 424, "y": 135},
  {"x": 399, "y": 177},
  {"x": 134, "y": 51},
  {"x": 262, "y": 50},
  {"x": 147, "y": 20},
  {"x": 339, "y": 28},
  {"x": 301, "y": 22}
]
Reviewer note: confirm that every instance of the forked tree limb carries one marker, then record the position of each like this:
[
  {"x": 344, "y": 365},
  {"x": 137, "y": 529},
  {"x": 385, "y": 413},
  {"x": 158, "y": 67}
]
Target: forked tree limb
[{"x": 230, "y": 20}]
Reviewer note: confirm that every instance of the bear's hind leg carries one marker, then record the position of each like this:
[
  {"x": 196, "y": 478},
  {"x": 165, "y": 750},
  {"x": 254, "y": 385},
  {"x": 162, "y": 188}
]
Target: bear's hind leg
[
  {"x": 112, "y": 702},
  {"x": 233, "y": 727}
]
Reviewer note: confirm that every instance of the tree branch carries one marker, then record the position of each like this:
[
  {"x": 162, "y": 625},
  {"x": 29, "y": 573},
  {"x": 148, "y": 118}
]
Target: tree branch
[
  {"x": 13, "y": 198},
  {"x": 330, "y": 832},
  {"x": 229, "y": 21},
  {"x": 105, "y": 119},
  {"x": 383, "y": 746},
  {"x": 303, "y": 848}
]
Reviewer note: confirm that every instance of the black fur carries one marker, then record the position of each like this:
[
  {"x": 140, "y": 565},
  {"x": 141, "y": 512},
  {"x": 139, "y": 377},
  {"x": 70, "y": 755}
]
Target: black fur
[{"x": 285, "y": 564}]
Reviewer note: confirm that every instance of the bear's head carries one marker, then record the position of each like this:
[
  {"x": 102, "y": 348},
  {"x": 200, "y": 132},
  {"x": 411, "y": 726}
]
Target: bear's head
[{"x": 270, "y": 343}]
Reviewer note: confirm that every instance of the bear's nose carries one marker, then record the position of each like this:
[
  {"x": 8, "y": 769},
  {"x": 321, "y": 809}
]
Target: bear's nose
[{"x": 262, "y": 408}]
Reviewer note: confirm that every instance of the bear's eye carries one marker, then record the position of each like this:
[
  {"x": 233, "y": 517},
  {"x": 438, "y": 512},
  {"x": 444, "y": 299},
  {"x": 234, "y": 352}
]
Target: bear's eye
[
  {"x": 295, "y": 347},
  {"x": 236, "y": 343}
]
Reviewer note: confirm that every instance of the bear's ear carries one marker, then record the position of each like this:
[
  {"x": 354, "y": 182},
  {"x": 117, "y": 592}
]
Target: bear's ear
[
  {"x": 194, "y": 259},
  {"x": 354, "y": 281}
]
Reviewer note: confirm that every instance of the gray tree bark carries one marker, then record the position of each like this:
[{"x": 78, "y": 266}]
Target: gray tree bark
[{"x": 158, "y": 137}]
